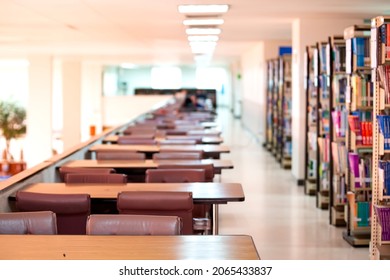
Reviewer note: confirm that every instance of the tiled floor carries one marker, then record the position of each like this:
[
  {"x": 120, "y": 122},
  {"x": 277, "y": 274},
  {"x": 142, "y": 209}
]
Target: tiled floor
[{"x": 284, "y": 222}]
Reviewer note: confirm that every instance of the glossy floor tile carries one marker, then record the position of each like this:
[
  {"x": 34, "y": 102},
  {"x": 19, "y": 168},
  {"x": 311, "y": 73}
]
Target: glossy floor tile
[{"x": 284, "y": 222}]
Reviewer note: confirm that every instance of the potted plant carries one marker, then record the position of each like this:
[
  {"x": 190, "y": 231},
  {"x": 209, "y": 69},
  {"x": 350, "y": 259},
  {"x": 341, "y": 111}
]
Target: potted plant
[{"x": 12, "y": 124}]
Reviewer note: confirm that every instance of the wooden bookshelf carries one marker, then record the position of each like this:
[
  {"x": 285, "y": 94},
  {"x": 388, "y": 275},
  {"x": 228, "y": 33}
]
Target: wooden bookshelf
[
  {"x": 285, "y": 93},
  {"x": 359, "y": 101},
  {"x": 338, "y": 126},
  {"x": 323, "y": 125},
  {"x": 310, "y": 84},
  {"x": 380, "y": 42}
]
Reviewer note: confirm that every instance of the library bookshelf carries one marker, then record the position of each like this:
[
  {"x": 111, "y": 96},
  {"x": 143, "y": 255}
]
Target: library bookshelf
[
  {"x": 323, "y": 126},
  {"x": 310, "y": 84},
  {"x": 359, "y": 105},
  {"x": 336, "y": 49},
  {"x": 380, "y": 66}
]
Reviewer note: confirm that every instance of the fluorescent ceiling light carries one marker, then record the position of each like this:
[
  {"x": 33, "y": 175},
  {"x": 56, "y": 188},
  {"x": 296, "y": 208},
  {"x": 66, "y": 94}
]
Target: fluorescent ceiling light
[
  {"x": 203, "y": 21},
  {"x": 203, "y": 9},
  {"x": 203, "y": 38},
  {"x": 203, "y": 31}
]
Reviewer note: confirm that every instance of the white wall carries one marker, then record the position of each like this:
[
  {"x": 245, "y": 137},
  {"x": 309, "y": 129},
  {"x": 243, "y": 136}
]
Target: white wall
[
  {"x": 307, "y": 32},
  {"x": 254, "y": 72},
  {"x": 118, "y": 110}
]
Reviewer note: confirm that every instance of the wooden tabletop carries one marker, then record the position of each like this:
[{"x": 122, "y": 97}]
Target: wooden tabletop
[
  {"x": 88, "y": 247},
  {"x": 214, "y": 193},
  {"x": 205, "y": 139},
  {"x": 145, "y": 164},
  {"x": 158, "y": 148}
]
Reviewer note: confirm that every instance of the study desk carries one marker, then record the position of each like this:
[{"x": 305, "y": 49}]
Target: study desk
[
  {"x": 219, "y": 164},
  {"x": 202, "y": 193},
  {"x": 208, "y": 150},
  {"x": 114, "y": 247},
  {"x": 160, "y": 140}
]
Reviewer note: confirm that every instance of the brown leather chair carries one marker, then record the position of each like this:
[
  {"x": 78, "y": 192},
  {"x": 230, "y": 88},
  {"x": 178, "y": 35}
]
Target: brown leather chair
[
  {"x": 177, "y": 142},
  {"x": 94, "y": 178},
  {"x": 208, "y": 167},
  {"x": 175, "y": 176},
  {"x": 200, "y": 212},
  {"x": 63, "y": 170},
  {"x": 197, "y": 138},
  {"x": 123, "y": 140},
  {"x": 158, "y": 203},
  {"x": 40, "y": 222},
  {"x": 119, "y": 155},
  {"x": 133, "y": 225},
  {"x": 177, "y": 155},
  {"x": 71, "y": 210},
  {"x": 139, "y": 130}
]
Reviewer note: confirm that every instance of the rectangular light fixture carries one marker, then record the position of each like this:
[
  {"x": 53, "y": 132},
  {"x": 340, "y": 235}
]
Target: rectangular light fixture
[
  {"x": 203, "y": 9},
  {"x": 203, "y": 31},
  {"x": 203, "y": 38},
  {"x": 203, "y": 21}
]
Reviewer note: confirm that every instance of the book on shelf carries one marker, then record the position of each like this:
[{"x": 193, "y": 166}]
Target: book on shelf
[
  {"x": 361, "y": 52},
  {"x": 383, "y": 214},
  {"x": 384, "y": 127},
  {"x": 340, "y": 157},
  {"x": 384, "y": 80},
  {"x": 360, "y": 211},
  {"x": 339, "y": 119},
  {"x": 384, "y": 47},
  {"x": 361, "y": 169},
  {"x": 385, "y": 166}
]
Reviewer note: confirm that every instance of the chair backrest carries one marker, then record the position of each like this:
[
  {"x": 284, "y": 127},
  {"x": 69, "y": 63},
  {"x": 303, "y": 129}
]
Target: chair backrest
[
  {"x": 178, "y": 155},
  {"x": 123, "y": 140},
  {"x": 139, "y": 130},
  {"x": 208, "y": 167},
  {"x": 71, "y": 210},
  {"x": 158, "y": 203},
  {"x": 197, "y": 138},
  {"x": 175, "y": 175},
  {"x": 94, "y": 178},
  {"x": 176, "y": 132},
  {"x": 119, "y": 155},
  {"x": 66, "y": 170},
  {"x": 40, "y": 222},
  {"x": 133, "y": 225},
  {"x": 177, "y": 142}
]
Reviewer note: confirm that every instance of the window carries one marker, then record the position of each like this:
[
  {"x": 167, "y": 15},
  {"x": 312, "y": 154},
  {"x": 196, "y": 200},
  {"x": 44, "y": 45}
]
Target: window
[{"x": 166, "y": 78}]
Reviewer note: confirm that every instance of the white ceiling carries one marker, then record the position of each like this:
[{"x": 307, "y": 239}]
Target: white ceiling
[{"x": 151, "y": 30}]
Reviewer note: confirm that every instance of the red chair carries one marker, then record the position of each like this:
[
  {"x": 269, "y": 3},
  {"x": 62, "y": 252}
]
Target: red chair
[
  {"x": 133, "y": 225},
  {"x": 40, "y": 222},
  {"x": 72, "y": 210},
  {"x": 158, "y": 203},
  {"x": 175, "y": 176}
]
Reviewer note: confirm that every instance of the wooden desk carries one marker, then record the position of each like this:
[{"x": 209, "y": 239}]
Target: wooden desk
[
  {"x": 219, "y": 164},
  {"x": 210, "y": 193},
  {"x": 205, "y": 139},
  {"x": 202, "y": 193},
  {"x": 208, "y": 150},
  {"x": 95, "y": 247}
]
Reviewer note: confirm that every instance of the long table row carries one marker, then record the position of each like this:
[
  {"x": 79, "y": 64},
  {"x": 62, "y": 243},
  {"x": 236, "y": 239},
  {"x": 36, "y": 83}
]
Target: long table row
[{"x": 142, "y": 247}]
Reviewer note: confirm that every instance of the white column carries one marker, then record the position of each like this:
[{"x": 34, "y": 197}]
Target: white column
[
  {"x": 91, "y": 98},
  {"x": 307, "y": 32},
  {"x": 71, "y": 90},
  {"x": 38, "y": 145}
]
